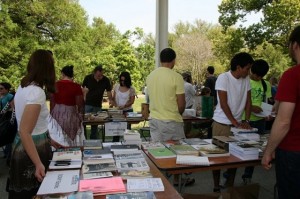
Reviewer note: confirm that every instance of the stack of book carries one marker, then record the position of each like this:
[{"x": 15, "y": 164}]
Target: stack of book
[
  {"x": 132, "y": 195},
  {"x": 152, "y": 145},
  {"x": 211, "y": 150},
  {"x": 132, "y": 137},
  {"x": 131, "y": 161},
  {"x": 161, "y": 153},
  {"x": 250, "y": 134},
  {"x": 97, "y": 163},
  {"x": 223, "y": 141},
  {"x": 243, "y": 151}
]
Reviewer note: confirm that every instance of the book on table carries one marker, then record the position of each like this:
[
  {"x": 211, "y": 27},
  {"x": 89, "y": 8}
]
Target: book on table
[
  {"x": 104, "y": 174},
  {"x": 54, "y": 182},
  {"x": 92, "y": 144},
  {"x": 90, "y": 168},
  {"x": 123, "y": 155},
  {"x": 244, "y": 151},
  {"x": 67, "y": 155},
  {"x": 145, "y": 184},
  {"x": 159, "y": 153},
  {"x": 98, "y": 159},
  {"x": 152, "y": 145},
  {"x": 211, "y": 150},
  {"x": 132, "y": 195},
  {"x": 132, "y": 164},
  {"x": 103, "y": 186},
  {"x": 184, "y": 149},
  {"x": 127, "y": 147},
  {"x": 81, "y": 195},
  {"x": 192, "y": 160},
  {"x": 135, "y": 174},
  {"x": 65, "y": 164},
  {"x": 131, "y": 135},
  {"x": 95, "y": 152}
]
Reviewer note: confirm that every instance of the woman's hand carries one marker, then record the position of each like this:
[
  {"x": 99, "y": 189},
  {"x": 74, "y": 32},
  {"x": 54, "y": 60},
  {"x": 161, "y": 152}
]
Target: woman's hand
[
  {"x": 40, "y": 172},
  {"x": 56, "y": 145}
]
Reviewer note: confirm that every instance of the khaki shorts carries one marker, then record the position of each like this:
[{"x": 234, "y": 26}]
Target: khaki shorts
[
  {"x": 163, "y": 130},
  {"x": 219, "y": 129}
]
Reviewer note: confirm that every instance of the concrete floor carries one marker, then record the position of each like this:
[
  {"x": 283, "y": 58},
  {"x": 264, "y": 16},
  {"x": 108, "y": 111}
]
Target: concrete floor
[{"x": 204, "y": 181}]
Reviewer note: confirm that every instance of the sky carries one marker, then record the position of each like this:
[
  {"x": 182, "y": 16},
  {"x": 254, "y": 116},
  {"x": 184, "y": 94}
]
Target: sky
[{"x": 128, "y": 14}]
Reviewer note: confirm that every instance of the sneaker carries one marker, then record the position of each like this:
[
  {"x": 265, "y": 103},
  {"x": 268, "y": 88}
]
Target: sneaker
[{"x": 186, "y": 182}]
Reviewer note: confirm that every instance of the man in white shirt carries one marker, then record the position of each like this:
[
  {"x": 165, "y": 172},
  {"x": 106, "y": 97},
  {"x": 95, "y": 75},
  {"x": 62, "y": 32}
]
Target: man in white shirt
[{"x": 234, "y": 97}]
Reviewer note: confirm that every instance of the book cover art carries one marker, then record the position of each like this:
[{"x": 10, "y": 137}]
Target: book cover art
[
  {"x": 126, "y": 156},
  {"x": 159, "y": 153},
  {"x": 132, "y": 164},
  {"x": 89, "y": 168},
  {"x": 184, "y": 150}
]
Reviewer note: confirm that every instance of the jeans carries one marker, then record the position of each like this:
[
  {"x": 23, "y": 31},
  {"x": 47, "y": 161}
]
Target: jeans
[
  {"x": 287, "y": 167},
  {"x": 94, "y": 128}
]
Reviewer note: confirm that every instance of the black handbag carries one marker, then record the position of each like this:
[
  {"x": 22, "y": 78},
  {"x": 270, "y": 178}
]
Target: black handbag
[{"x": 8, "y": 126}]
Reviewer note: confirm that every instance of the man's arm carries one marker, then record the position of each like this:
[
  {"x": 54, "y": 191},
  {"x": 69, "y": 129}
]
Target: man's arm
[
  {"x": 225, "y": 107},
  {"x": 181, "y": 102},
  {"x": 109, "y": 95},
  {"x": 248, "y": 106},
  {"x": 279, "y": 130}
]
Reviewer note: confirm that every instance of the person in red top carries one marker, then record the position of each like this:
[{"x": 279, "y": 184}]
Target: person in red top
[
  {"x": 284, "y": 141},
  {"x": 67, "y": 109}
]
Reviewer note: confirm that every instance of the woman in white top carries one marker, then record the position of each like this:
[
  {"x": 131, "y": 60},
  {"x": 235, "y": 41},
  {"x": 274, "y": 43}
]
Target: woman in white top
[
  {"x": 31, "y": 150},
  {"x": 123, "y": 93},
  {"x": 123, "y": 96}
]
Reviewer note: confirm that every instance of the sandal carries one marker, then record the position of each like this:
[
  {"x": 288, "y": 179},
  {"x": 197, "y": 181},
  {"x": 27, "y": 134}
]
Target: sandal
[{"x": 185, "y": 182}]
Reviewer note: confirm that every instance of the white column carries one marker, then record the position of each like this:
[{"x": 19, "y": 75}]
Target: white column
[{"x": 161, "y": 28}]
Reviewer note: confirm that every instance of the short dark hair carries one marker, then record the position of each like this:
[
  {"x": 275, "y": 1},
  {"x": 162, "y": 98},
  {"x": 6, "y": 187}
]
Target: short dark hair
[
  {"x": 6, "y": 85},
  {"x": 40, "y": 70},
  {"x": 211, "y": 70},
  {"x": 295, "y": 35},
  {"x": 68, "y": 71},
  {"x": 98, "y": 68},
  {"x": 241, "y": 59},
  {"x": 167, "y": 55},
  {"x": 127, "y": 81},
  {"x": 260, "y": 67}
]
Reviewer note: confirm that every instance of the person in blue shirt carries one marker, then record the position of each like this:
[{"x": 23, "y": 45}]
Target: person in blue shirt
[{"x": 6, "y": 98}]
